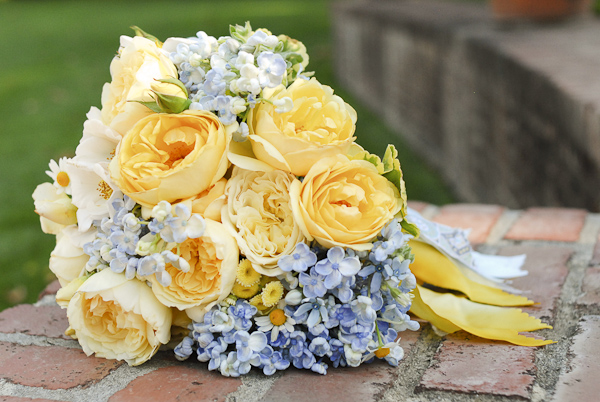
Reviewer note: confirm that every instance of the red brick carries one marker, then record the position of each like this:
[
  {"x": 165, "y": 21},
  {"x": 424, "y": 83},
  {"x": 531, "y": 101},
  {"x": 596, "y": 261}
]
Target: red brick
[
  {"x": 362, "y": 383},
  {"x": 51, "y": 289},
  {"x": 580, "y": 381},
  {"x": 51, "y": 367},
  {"x": 553, "y": 224},
  {"x": 548, "y": 270},
  {"x": 418, "y": 206},
  {"x": 466, "y": 363},
  {"x": 178, "y": 383},
  {"x": 408, "y": 339},
  {"x": 590, "y": 287},
  {"x": 50, "y": 321},
  {"x": 477, "y": 217},
  {"x": 19, "y": 399}
]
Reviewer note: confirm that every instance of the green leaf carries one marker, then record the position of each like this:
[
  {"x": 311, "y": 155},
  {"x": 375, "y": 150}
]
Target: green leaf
[
  {"x": 139, "y": 32},
  {"x": 150, "y": 105},
  {"x": 410, "y": 228}
]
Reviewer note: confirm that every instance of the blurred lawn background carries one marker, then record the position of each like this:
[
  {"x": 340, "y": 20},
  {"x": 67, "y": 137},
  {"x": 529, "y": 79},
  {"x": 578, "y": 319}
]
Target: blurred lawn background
[{"x": 54, "y": 59}]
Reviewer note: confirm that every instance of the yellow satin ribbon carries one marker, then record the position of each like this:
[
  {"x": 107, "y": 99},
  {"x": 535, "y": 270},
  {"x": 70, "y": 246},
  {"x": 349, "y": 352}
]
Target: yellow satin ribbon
[{"x": 450, "y": 312}]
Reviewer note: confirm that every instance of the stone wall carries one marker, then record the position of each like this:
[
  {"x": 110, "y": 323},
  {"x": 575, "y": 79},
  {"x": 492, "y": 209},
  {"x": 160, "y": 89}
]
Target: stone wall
[{"x": 508, "y": 114}]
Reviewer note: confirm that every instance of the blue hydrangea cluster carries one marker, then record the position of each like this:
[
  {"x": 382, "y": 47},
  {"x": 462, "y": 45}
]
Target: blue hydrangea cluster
[
  {"x": 341, "y": 308},
  {"x": 227, "y": 75},
  {"x": 126, "y": 243}
]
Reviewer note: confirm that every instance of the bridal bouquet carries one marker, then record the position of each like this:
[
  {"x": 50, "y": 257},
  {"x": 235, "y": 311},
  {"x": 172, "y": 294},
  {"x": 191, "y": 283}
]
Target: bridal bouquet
[{"x": 218, "y": 205}]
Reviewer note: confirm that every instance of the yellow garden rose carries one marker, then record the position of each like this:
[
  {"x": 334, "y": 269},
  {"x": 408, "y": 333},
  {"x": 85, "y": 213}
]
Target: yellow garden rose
[
  {"x": 320, "y": 124},
  {"x": 171, "y": 157},
  {"x": 213, "y": 260},
  {"x": 343, "y": 202},
  {"x": 258, "y": 213},
  {"x": 116, "y": 318},
  {"x": 210, "y": 202},
  {"x": 135, "y": 71}
]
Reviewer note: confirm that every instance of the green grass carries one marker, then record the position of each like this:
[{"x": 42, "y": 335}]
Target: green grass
[{"x": 54, "y": 59}]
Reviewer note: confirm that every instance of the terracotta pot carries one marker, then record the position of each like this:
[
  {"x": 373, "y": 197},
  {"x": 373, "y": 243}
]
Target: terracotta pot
[{"x": 539, "y": 9}]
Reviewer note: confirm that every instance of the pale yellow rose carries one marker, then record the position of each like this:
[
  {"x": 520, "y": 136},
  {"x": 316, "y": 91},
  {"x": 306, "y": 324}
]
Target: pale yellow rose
[
  {"x": 116, "y": 318},
  {"x": 320, "y": 124},
  {"x": 258, "y": 213},
  {"x": 344, "y": 202},
  {"x": 67, "y": 260},
  {"x": 134, "y": 72},
  {"x": 209, "y": 202},
  {"x": 55, "y": 209},
  {"x": 171, "y": 157},
  {"x": 213, "y": 260}
]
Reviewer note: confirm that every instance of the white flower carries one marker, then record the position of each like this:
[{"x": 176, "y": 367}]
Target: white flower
[
  {"x": 59, "y": 175},
  {"x": 271, "y": 69},
  {"x": 276, "y": 321},
  {"x": 91, "y": 185},
  {"x": 392, "y": 352},
  {"x": 92, "y": 190}
]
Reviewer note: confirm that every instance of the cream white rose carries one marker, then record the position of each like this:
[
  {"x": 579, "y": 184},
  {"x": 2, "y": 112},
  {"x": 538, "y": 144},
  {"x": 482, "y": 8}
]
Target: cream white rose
[
  {"x": 67, "y": 260},
  {"x": 258, "y": 213},
  {"x": 134, "y": 72},
  {"x": 213, "y": 260},
  {"x": 116, "y": 318}
]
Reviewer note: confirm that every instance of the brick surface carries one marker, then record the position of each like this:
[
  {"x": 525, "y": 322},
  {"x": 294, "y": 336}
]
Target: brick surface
[
  {"x": 477, "y": 217},
  {"x": 363, "y": 384},
  {"x": 178, "y": 383},
  {"x": 50, "y": 321},
  {"x": 51, "y": 289},
  {"x": 19, "y": 399},
  {"x": 51, "y": 367},
  {"x": 466, "y": 363},
  {"x": 552, "y": 224},
  {"x": 590, "y": 287},
  {"x": 580, "y": 381},
  {"x": 547, "y": 268},
  {"x": 595, "y": 261},
  {"x": 408, "y": 339}
]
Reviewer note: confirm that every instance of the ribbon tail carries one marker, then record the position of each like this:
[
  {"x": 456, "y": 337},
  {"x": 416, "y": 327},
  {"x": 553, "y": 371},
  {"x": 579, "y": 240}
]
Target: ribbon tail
[
  {"x": 432, "y": 267},
  {"x": 449, "y": 313}
]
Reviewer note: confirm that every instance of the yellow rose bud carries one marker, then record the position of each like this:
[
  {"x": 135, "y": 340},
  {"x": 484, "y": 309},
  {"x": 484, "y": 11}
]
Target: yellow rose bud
[
  {"x": 54, "y": 206},
  {"x": 171, "y": 157},
  {"x": 67, "y": 261},
  {"x": 320, "y": 124},
  {"x": 344, "y": 202}
]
